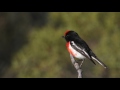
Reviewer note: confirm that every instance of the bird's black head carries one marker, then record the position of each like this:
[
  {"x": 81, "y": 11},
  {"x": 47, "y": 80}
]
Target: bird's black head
[{"x": 70, "y": 35}]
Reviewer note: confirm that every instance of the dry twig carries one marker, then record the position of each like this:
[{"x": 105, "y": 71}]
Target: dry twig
[{"x": 77, "y": 66}]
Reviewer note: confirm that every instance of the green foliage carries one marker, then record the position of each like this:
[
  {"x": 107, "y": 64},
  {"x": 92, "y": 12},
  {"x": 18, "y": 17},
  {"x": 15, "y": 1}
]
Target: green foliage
[
  {"x": 45, "y": 55},
  {"x": 42, "y": 57}
]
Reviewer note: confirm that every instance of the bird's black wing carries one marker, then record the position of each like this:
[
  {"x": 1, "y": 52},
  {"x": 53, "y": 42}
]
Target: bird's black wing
[
  {"x": 81, "y": 46},
  {"x": 87, "y": 52},
  {"x": 94, "y": 57}
]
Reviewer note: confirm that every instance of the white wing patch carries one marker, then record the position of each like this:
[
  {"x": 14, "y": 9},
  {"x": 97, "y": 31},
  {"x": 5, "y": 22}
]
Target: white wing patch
[
  {"x": 76, "y": 53},
  {"x": 86, "y": 53},
  {"x": 82, "y": 50}
]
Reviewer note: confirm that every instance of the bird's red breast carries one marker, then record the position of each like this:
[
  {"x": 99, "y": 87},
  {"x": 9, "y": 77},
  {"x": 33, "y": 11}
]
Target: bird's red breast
[{"x": 69, "y": 50}]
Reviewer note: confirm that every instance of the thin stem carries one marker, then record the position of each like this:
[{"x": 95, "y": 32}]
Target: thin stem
[
  {"x": 81, "y": 63},
  {"x": 76, "y": 65}
]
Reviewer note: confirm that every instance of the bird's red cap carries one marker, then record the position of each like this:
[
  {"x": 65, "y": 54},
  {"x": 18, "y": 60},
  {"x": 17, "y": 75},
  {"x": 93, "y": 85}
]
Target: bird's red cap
[{"x": 66, "y": 32}]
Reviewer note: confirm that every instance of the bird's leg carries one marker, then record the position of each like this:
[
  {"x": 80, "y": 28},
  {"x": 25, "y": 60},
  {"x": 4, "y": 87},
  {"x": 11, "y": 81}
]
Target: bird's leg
[{"x": 76, "y": 65}]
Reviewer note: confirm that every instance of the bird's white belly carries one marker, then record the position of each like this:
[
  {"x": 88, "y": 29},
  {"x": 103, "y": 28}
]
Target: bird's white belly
[{"x": 76, "y": 53}]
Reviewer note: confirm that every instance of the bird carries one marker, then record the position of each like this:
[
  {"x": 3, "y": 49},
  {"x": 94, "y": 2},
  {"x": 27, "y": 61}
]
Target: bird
[{"x": 79, "y": 49}]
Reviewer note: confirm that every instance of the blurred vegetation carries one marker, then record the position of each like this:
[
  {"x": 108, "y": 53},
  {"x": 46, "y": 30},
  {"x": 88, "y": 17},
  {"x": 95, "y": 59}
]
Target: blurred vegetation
[{"x": 31, "y": 44}]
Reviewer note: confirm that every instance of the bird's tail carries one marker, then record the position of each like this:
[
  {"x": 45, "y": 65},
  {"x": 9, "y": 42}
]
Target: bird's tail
[{"x": 98, "y": 61}]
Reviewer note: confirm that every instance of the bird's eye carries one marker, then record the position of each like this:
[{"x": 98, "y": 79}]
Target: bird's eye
[{"x": 67, "y": 35}]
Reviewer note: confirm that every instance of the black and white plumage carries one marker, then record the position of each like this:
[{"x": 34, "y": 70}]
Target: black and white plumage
[{"x": 79, "y": 48}]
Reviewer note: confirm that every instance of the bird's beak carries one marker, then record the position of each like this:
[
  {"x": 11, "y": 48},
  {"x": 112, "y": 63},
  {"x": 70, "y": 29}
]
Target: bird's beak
[{"x": 63, "y": 36}]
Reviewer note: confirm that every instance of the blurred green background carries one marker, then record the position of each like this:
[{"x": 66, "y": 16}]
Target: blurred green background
[{"x": 31, "y": 45}]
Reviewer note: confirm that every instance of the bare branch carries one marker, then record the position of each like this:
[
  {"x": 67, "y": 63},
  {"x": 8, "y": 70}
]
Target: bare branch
[{"x": 76, "y": 65}]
